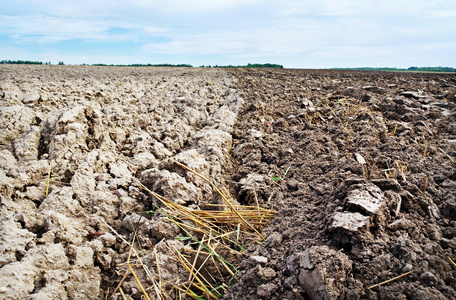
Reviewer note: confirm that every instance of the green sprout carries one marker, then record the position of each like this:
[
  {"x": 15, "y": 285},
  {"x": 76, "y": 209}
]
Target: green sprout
[{"x": 282, "y": 177}]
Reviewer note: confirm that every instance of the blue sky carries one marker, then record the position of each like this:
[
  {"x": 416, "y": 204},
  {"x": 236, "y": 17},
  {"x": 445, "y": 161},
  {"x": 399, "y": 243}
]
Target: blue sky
[{"x": 296, "y": 34}]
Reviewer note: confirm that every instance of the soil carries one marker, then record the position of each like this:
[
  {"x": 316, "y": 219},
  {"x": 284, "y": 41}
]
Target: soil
[
  {"x": 359, "y": 167},
  {"x": 334, "y": 133}
]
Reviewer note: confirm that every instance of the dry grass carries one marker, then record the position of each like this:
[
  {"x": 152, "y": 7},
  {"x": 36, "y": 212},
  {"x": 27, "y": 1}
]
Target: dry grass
[
  {"x": 447, "y": 155},
  {"x": 452, "y": 262},
  {"x": 394, "y": 131},
  {"x": 398, "y": 169},
  {"x": 426, "y": 153},
  {"x": 233, "y": 209},
  {"x": 348, "y": 109},
  {"x": 213, "y": 238},
  {"x": 389, "y": 280}
]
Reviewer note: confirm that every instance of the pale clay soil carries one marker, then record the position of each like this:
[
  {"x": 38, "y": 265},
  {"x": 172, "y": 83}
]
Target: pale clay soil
[{"x": 369, "y": 191}]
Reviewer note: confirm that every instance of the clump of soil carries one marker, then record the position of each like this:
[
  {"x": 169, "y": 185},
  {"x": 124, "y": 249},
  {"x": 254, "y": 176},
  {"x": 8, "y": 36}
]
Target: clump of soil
[{"x": 360, "y": 167}]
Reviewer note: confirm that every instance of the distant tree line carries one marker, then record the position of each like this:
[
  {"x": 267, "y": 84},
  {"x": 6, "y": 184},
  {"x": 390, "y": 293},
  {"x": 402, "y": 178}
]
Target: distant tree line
[
  {"x": 26, "y": 62},
  {"x": 146, "y": 65},
  {"x": 412, "y": 69},
  {"x": 275, "y": 66},
  {"x": 23, "y": 62},
  {"x": 190, "y": 66},
  {"x": 432, "y": 69}
]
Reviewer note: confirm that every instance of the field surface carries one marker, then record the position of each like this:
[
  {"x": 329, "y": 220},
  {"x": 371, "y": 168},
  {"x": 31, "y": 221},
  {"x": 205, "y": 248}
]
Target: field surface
[{"x": 236, "y": 183}]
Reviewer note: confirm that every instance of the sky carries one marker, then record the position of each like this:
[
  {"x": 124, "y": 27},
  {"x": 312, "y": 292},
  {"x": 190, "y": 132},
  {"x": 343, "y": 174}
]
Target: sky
[{"x": 293, "y": 33}]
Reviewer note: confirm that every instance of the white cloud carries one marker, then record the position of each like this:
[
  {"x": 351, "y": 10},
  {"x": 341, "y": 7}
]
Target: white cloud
[
  {"x": 278, "y": 30},
  {"x": 186, "y": 7},
  {"x": 51, "y": 29}
]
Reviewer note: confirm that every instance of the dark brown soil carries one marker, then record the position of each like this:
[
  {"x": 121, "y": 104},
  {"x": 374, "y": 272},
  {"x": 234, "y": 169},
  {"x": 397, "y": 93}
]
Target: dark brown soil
[{"x": 336, "y": 132}]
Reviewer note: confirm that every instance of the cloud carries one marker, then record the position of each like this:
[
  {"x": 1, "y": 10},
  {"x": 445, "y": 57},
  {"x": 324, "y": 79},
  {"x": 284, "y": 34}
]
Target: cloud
[
  {"x": 290, "y": 36},
  {"x": 234, "y": 29},
  {"x": 198, "y": 7},
  {"x": 44, "y": 29}
]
